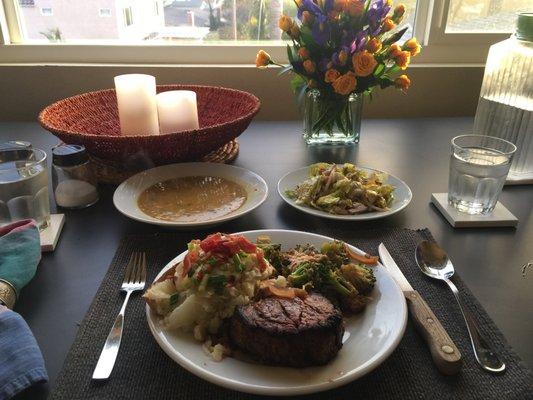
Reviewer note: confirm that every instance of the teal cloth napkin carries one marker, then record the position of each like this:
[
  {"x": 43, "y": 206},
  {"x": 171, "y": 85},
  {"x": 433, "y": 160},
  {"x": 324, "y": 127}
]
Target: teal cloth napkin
[{"x": 20, "y": 252}]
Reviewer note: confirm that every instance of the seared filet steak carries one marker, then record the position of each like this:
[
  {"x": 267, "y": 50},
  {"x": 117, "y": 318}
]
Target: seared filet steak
[{"x": 292, "y": 332}]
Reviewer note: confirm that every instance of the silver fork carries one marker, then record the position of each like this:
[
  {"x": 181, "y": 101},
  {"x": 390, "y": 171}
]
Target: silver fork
[{"x": 134, "y": 279}]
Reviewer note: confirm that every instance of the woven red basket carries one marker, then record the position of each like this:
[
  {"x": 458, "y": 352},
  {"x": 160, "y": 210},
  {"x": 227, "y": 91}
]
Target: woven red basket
[{"x": 91, "y": 119}]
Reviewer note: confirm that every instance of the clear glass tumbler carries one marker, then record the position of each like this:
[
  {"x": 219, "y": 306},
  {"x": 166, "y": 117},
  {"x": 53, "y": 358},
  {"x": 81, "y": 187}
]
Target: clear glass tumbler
[
  {"x": 478, "y": 168},
  {"x": 24, "y": 186}
]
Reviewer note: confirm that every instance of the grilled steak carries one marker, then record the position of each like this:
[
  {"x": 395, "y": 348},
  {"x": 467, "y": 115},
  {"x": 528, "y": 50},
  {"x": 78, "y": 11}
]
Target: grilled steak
[{"x": 292, "y": 332}]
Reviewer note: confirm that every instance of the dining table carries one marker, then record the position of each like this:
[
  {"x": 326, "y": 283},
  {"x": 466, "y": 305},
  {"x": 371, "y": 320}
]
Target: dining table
[{"x": 489, "y": 260}]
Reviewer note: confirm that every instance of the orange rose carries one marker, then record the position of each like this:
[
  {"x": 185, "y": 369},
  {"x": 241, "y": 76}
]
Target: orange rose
[
  {"x": 373, "y": 45},
  {"x": 331, "y": 75},
  {"x": 412, "y": 46},
  {"x": 285, "y": 23},
  {"x": 307, "y": 18},
  {"x": 363, "y": 63},
  {"x": 303, "y": 53},
  {"x": 339, "y": 5},
  {"x": 402, "y": 82},
  {"x": 309, "y": 66},
  {"x": 403, "y": 59},
  {"x": 394, "y": 50},
  {"x": 388, "y": 24},
  {"x": 399, "y": 11},
  {"x": 294, "y": 31},
  {"x": 354, "y": 8},
  {"x": 343, "y": 57},
  {"x": 262, "y": 59},
  {"x": 345, "y": 84}
]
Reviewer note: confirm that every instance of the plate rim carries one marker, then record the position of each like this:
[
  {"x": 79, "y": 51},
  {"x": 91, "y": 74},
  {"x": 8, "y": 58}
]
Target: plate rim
[
  {"x": 174, "y": 224},
  {"x": 288, "y": 391},
  {"x": 356, "y": 217}
]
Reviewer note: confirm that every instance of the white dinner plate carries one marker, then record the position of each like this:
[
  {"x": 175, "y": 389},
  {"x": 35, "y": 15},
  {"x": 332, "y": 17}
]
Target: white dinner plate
[
  {"x": 402, "y": 196},
  {"x": 369, "y": 339},
  {"x": 126, "y": 195}
]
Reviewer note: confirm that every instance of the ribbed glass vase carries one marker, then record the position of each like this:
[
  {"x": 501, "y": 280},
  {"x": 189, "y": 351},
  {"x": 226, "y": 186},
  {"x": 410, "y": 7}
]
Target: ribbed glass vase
[{"x": 332, "y": 120}]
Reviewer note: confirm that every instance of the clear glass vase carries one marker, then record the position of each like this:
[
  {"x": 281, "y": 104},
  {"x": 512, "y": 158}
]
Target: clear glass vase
[{"x": 332, "y": 120}]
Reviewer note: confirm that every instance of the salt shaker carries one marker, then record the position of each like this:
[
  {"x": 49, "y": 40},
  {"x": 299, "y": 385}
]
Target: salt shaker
[{"x": 73, "y": 180}]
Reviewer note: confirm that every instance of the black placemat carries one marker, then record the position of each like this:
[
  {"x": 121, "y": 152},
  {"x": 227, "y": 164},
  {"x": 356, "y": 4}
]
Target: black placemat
[{"x": 144, "y": 371}]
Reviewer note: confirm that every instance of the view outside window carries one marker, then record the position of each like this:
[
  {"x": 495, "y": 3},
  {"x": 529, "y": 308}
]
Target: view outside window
[
  {"x": 485, "y": 15},
  {"x": 208, "y": 21}
]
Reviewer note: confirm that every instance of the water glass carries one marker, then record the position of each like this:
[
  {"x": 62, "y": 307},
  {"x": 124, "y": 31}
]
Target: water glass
[
  {"x": 24, "y": 186},
  {"x": 478, "y": 168}
]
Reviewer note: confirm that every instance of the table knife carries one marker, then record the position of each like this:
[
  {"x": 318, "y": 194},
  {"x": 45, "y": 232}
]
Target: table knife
[{"x": 444, "y": 352}]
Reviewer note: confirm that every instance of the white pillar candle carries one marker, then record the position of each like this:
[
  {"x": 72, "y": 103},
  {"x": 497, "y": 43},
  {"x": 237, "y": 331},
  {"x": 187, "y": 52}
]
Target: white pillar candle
[
  {"x": 137, "y": 107},
  {"x": 177, "y": 111}
]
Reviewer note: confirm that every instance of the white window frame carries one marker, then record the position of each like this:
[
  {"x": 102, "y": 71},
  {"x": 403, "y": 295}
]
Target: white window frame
[{"x": 440, "y": 48}]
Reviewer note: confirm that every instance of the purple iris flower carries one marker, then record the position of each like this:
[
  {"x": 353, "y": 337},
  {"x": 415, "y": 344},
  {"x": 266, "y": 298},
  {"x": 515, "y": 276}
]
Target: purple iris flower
[
  {"x": 309, "y": 5},
  {"x": 376, "y": 12},
  {"x": 359, "y": 42},
  {"x": 321, "y": 32}
]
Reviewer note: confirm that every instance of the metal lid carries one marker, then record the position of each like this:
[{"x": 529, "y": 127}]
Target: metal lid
[
  {"x": 524, "y": 26},
  {"x": 68, "y": 155}
]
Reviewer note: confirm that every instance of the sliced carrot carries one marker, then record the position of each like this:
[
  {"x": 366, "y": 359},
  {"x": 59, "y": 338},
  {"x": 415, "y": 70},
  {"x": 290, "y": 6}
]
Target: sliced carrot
[{"x": 362, "y": 258}]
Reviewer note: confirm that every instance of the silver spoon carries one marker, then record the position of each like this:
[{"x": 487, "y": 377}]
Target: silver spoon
[{"x": 435, "y": 263}]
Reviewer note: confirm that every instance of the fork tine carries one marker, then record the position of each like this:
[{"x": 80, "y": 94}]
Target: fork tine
[
  {"x": 143, "y": 268},
  {"x": 136, "y": 278},
  {"x": 129, "y": 268}
]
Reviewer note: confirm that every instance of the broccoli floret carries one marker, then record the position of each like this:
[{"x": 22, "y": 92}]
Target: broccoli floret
[
  {"x": 336, "y": 253},
  {"x": 302, "y": 274},
  {"x": 361, "y": 276},
  {"x": 333, "y": 281},
  {"x": 272, "y": 252}
]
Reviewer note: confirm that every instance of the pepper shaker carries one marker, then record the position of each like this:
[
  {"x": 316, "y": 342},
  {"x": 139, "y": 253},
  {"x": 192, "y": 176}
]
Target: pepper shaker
[{"x": 74, "y": 182}]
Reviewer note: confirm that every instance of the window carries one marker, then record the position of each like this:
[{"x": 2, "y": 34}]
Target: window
[
  {"x": 484, "y": 15},
  {"x": 233, "y": 30},
  {"x": 47, "y": 11},
  {"x": 128, "y": 16},
  {"x": 104, "y": 12}
]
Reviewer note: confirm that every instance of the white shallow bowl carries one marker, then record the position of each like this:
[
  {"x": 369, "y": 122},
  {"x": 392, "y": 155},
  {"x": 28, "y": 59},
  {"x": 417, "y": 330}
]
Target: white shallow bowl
[
  {"x": 126, "y": 195},
  {"x": 402, "y": 196},
  {"x": 369, "y": 339}
]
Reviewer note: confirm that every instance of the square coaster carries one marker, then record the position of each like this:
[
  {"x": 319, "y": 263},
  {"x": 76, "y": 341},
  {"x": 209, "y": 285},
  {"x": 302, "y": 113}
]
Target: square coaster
[
  {"x": 500, "y": 216},
  {"x": 50, "y": 235}
]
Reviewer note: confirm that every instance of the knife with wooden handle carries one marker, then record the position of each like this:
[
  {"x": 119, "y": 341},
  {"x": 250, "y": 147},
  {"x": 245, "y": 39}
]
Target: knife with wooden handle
[{"x": 445, "y": 354}]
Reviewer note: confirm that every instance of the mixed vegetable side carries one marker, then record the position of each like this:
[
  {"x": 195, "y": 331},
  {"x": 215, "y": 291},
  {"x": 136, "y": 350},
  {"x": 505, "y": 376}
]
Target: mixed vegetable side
[
  {"x": 224, "y": 271},
  {"x": 343, "y": 189},
  {"x": 335, "y": 271}
]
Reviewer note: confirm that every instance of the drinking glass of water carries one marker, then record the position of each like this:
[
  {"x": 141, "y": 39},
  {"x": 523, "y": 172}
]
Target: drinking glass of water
[
  {"x": 24, "y": 186},
  {"x": 478, "y": 169}
]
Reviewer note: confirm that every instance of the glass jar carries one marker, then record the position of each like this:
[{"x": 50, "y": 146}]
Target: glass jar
[
  {"x": 332, "y": 119},
  {"x": 23, "y": 185},
  {"x": 505, "y": 107},
  {"x": 73, "y": 180}
]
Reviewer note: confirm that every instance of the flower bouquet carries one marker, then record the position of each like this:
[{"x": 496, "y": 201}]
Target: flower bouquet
[{"x": 341, "y": 50}]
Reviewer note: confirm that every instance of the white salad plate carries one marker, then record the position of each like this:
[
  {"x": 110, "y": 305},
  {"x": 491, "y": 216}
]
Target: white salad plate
[
  {"x": 369, "y": 338},
  {"x": 402, "y": 195},
  {"x": 126, "y": 195}
]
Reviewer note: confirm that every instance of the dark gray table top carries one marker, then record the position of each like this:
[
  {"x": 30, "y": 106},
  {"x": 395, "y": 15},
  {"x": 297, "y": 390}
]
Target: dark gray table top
[{"x": 415, "y": 150}]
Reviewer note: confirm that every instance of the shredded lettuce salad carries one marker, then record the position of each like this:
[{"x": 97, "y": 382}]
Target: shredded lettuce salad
[{"x": 343, "y": 189}]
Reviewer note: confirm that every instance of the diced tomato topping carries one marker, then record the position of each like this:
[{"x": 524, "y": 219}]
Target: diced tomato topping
[
  {"x": 186, "y": 264},
  {"x": 227, "y": 245},
  {"x": 261, "y": 259}
]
